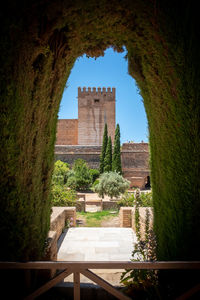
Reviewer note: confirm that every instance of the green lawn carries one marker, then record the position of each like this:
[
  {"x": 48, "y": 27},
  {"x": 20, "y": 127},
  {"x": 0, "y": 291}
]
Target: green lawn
[{"x": 95, "y": 219}]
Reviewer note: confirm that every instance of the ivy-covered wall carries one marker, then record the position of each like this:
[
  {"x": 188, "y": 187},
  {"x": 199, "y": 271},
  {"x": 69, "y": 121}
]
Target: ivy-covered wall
[{"x": 40, "y": 42}]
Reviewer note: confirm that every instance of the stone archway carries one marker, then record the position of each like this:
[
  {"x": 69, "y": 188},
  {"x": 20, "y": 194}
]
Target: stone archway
[{"x": 39, "y": 45}]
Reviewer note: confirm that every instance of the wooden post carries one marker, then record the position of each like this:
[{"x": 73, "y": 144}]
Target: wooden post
[
  {"x": 49, "y": 284},
  {"x": 105, "y": 285},
  {"x": 76, "y": 286}
]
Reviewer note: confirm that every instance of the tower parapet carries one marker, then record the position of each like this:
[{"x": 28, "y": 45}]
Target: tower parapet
[
  {"x": 95, "y": 91},
  {"x": 96, "y": 106}
]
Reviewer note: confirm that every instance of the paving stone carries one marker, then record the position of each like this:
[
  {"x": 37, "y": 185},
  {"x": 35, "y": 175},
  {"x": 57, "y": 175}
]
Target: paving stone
[
  {"x": 98, "y": 244},
  {"x": 81, "y": 240}
]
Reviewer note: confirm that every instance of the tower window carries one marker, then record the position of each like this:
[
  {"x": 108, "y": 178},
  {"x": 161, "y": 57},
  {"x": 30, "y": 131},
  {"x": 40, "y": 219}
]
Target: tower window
[{"x": 96, "y": 100}]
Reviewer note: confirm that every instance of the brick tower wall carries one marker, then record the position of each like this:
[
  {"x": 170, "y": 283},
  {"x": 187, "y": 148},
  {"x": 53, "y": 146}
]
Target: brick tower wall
[
  {"x": 95, "y": 108},
  {"x": 135, "y": 163},
  {"x": 67, "y": 132}
]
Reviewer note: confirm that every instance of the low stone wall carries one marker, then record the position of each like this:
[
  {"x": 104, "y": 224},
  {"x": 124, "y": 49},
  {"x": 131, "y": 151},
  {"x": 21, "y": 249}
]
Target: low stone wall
[
  {"x": 105, "y": 204},
  {"x": 80, "y": 205},
  {"x": 59, "y": 216},
  {"x": 51, "y": 250},
  {"x": 80, "y": 196},
  {"x": 109, "y": 205},
  {"x": 127, "y": 218}
]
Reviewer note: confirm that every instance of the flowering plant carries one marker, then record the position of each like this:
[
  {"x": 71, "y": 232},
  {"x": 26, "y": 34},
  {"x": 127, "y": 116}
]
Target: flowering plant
[{"x": 69, "y": 222}]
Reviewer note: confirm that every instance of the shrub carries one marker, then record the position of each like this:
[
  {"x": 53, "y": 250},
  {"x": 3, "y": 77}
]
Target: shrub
[
  {"x": 146, "y": 199},
  {"x": 94, "y": 184},
  {"x": 72, "y": 181},
  {"x": 79, "y": 177},
  {"x": 111, "y": 184},
  {"x": 61, "y": 196},
  {"x": 126, "y": 200},
  {"x": 144, "y": 250},
  {"x": 60, "y": 172},
  {"x": 94, "y": 173}
]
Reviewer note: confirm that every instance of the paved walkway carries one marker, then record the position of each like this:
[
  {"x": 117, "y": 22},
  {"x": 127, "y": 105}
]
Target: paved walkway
[{"x": 98, "y": 244}]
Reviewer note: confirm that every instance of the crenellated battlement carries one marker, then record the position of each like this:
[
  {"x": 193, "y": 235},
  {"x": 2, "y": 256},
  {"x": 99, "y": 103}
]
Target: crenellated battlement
[
  {"x": 95, "y": 91},
  {"x": 96, "y": 106}
]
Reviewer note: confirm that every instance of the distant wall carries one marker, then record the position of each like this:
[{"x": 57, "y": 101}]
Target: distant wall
[
  {"x": 91, "y": 154},
  {"x": 134, "y": 156},
  {"x": 135, "y": 163},
  {"x": 67, "y": 132}
]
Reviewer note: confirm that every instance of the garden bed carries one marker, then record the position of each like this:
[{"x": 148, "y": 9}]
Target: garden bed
[{"x": 105, "y": 218}]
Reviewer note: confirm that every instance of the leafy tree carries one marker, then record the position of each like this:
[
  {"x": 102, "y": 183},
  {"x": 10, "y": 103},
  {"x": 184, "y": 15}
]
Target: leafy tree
[
  {"x": 94, "y": 173},
  {"x": 61, "y": 196},
  {"x": 72, "y": 181},
  {"x": 103, "y": 149},
  {"x": 79, "y": 176},
  {"x": 116, "y": 163},
  {"x": 108, "y": 156},
  {"x": 111, "y": 184},
  {"x": 60, "y": 173}
]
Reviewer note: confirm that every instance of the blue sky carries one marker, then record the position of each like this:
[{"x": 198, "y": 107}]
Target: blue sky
[{"x": 111, "y": 70}]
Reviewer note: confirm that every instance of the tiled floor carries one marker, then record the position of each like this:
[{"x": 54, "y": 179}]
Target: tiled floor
[
  {"x": 98, "y": 244},
  {"x": 89, "y": 244}
]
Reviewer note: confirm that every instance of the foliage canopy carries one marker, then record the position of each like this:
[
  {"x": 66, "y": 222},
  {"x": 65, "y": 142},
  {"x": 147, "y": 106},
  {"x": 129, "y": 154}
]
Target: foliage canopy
[
  {"x": 94, "y": 173},
  {"x": 108, "y": 156},
  {"x": 103, "y": 149},
  {"x": 60, "y": 172},
  {"x": 61, "y": 196},
  {"x": 116, "y": 162},
  {"x": 79, "y": 177},
  {"x": 111, "y": 184}
]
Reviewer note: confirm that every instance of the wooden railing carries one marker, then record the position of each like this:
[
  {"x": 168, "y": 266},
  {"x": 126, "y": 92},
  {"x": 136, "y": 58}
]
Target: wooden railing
[{"x": 80, "y": 267}]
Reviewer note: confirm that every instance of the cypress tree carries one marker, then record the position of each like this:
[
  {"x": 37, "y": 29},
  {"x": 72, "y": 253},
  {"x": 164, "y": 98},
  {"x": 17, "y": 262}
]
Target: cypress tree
[
  {"x": 108, "y": 156},
  {"x": 103, "y": 149},
  {"x": 116, "y": 163}
]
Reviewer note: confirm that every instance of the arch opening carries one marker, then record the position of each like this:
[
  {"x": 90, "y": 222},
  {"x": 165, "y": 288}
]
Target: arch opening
[
  {"x": 37, "y": 56},
  {"x": 100, "y": 91}
]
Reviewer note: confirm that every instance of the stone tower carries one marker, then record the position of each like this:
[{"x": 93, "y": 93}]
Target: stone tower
[{"x": 95, "y": 108}]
